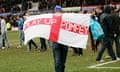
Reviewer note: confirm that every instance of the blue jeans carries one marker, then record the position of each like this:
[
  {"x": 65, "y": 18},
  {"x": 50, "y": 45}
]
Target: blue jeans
[
  {"x": 106, "y": 44},
  {"x": 21, "y": 37},
  {"x": 60, "y": 54}
]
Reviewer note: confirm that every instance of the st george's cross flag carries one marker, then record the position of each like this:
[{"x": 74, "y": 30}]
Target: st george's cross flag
[{"x": 70, "y": 29}]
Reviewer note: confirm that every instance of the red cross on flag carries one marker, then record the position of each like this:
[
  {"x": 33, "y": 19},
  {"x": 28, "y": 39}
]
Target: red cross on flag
[{"x": 69, "y": 28}]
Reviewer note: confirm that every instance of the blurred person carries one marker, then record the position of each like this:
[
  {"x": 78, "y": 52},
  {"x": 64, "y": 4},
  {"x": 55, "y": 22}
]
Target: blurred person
[
  {"x": 20, "y": 28},
  {"x": 53, "y": 3},
  {"x": 30, "y": 42},
  {"x": 4, "y": 33},
  {"x": 77, "y": 51},
  {"x": 2, "y": 42},
  {"x": 98, "y": 12},
  {"x": 106, "y": 22},
  {"x": 8, "y": 26},
  {"x": 95, "y": 15},
  {"x": 43, "y": 44},
  {"x": 116, "y": 29},
  {"x": 40, "y": 6},
  {"x": 93, "y": 43},
  {"x": 2, "y": 9},
  {"x": 59, "y": 50}
]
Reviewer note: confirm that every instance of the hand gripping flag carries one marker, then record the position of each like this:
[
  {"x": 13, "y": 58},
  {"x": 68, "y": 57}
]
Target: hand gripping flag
[{"x": 69, "y": 28}]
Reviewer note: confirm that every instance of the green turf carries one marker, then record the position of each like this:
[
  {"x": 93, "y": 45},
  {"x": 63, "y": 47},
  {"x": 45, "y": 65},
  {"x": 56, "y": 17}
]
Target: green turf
[{"x": 19, "y": 60}]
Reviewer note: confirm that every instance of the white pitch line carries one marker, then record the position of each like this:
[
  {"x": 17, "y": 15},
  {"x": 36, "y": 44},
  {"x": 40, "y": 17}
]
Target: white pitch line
[
  {"x": 108, "y": 67},
  {"x": 94, "y": 66}
]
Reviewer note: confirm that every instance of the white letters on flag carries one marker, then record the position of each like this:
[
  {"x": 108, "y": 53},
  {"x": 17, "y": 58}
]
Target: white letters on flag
[{"x": 69, "y": 29}]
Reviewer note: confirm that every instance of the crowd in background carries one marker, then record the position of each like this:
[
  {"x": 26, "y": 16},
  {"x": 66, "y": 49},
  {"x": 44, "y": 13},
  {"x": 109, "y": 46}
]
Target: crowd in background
[
  {"x": 12, "y": 21},
  {"x": 13, "y": 6}
]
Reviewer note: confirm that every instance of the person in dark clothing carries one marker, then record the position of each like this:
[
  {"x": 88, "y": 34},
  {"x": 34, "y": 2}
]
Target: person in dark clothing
[
  {"x": 30, "y": 45},
  {"x": 116, "y": 29},
  {"x": 59, "y": 50},
  {"x": 43, "y": 44},
  {"x": 106, "y": 22},
  {"x": 77, "y": 51}
]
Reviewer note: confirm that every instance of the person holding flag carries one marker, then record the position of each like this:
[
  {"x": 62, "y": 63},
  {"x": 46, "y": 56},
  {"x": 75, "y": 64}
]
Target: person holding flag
[{"x": 59, "y": 50}]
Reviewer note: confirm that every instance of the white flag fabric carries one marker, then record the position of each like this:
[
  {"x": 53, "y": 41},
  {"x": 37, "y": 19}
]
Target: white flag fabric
[{"x": 69, "y": 28}]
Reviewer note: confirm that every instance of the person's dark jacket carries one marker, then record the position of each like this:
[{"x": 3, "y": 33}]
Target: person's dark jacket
[
  {"x": 106, "y": 21},
  {"x": 116, "y": 23}
]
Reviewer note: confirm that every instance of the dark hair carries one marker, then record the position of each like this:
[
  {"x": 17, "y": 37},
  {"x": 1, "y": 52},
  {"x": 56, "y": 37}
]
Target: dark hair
[
  {"x": 1, "y": 17},
  {"x": 85, "y": 11},
  {"x": 107, "y": 9}
]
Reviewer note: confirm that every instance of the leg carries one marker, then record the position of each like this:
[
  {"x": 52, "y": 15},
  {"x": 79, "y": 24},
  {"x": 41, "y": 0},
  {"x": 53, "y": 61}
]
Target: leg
[
  {"x": 7, "y": 41},
  {"x": 32, "y": 42},
  {"x": 64, "y": 56},
  {"x": 80, "y": 51},
  {"x": 59, "y": 54},
  {"x": 43, "y": 44},
  {"x": 57, "y": 57},
  {"x": 3, "y": 42},
  {"x": 92, "y": 42},
  {"x": 29, "y": 46},
  {"x": 97, "y": 43},
  {"x": 117, "y": 42},
  {"x": 20, "y": 38},
  {"x": 75, "y": 52},
  {"x": 102, "y": 49},
  {"x": 110, "y": 49}
]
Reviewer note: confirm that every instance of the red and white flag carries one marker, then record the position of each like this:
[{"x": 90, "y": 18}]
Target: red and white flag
[{"x": 69, "y": 28}]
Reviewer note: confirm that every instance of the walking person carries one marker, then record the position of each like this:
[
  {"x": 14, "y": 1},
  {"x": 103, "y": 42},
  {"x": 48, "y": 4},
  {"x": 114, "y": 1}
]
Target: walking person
[
  {"x": 116, "y": 28},
  {"x": 106, "y": 22},
  {"x": 4, "y": 32},
  {"x": 59, "y": 50}
]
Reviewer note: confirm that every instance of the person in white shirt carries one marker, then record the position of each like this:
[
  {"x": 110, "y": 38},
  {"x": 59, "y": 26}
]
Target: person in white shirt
[{"x": 4, "y": 32}]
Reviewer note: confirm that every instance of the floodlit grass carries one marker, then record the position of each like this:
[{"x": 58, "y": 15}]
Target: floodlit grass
[{"x": 19, "y": 60}]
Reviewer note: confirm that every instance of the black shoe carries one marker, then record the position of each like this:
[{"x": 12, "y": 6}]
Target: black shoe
[{"x": 114, "y": 58}]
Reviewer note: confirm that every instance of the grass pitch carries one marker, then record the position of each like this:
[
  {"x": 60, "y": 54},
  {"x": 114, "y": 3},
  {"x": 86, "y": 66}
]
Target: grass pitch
[{"x": 19, "y": 60}]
